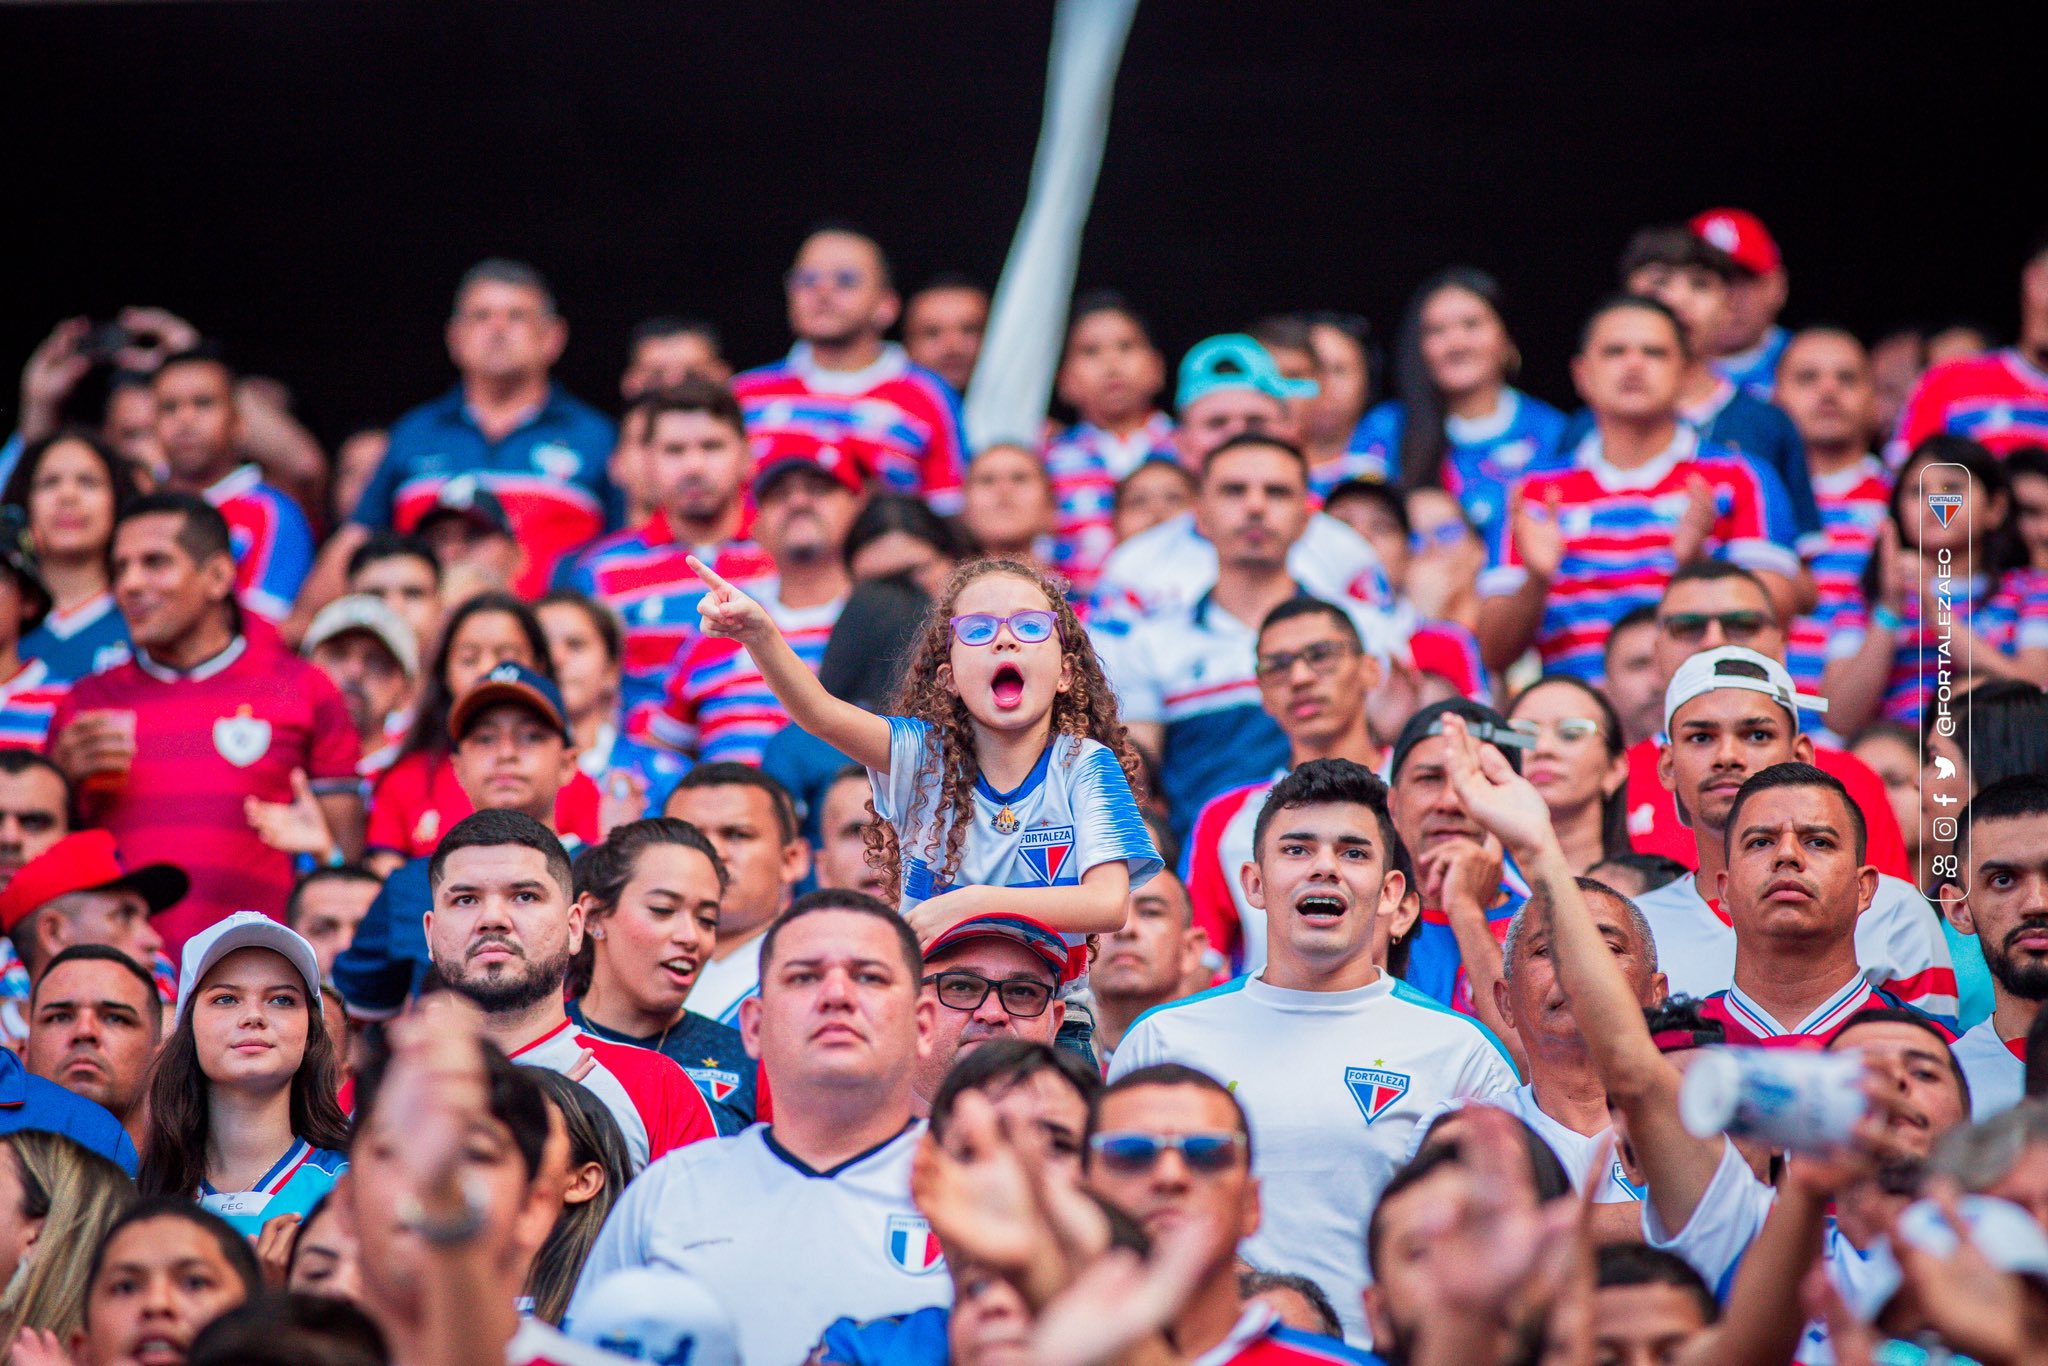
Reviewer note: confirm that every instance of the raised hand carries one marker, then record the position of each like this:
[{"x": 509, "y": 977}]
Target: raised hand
[
  {"x": 726, "y": 611},
  {"x": 274, "y": 1248},
  {"x": 1493, "y": 794},
  {"x": 54, "y": 369},
  {"x": 1539, "y": 539},
  {"x": 1696, "y": 524},
  {"x": 294, "y": 827}
]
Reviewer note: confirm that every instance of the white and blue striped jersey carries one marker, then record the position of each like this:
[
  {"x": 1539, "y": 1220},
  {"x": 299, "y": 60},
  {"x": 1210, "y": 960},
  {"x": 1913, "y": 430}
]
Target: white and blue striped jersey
[
  {"x": 1072, "y": 812},
  {"x": 1333, "y": 1083}
]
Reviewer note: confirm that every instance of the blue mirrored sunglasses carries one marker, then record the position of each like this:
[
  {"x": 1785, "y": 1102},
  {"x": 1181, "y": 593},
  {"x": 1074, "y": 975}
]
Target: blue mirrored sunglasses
[
  {"x": 1030, "y": 627},
  {"x": 1138, "y": 1152}
]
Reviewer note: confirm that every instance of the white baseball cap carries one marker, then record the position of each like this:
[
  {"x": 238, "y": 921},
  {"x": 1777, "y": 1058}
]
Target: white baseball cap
[
  {"x": 2006, "y": 1234},
  {"x": 245, "y": 930},
  {"x": 1735, "y": 666},
  {"x": 361, "y": 612},
  {"x": 648, "y": 1314}
]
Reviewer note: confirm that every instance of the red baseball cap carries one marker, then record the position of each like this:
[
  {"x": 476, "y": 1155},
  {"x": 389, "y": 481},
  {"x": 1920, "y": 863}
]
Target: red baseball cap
[
  {"x": 87, "y": 862},
  {"x": 791, "y": 451},
  {"x": 1743, "y": 236},
  {"x": 1067, "y": 961}
]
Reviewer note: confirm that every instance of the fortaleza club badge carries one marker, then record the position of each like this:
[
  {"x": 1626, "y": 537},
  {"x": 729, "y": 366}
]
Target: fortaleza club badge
[
  {"x": 720, "y": 1083},
  {"x": 912, "y": 1245},
  {"x": 1046, "y": 850},
  {"x": 1375, "y": 1089},
  {"x": 242, "y": 739},
  {"x": 1944, "y": 506}
]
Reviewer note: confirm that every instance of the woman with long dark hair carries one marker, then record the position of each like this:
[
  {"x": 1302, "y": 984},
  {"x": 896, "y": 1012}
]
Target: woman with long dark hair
[
  {"x": 1458, "y": 420},
  {"x": 599, "y": 1168},
  {"x": 1579, "y": 762},
  {"x": 72, "y": 487},
  {"x": 242, "y": 1109},
  {"x": 650, "y": 896},
  {"x": 418, "y": 799}
]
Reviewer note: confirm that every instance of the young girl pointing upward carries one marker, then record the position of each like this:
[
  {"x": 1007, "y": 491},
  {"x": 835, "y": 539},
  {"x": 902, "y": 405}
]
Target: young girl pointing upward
[{"x": 1006, "y": 787}]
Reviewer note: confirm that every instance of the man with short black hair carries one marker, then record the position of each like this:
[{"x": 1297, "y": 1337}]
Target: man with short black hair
[
  {"x": 228, "y": 717},
  {"x": 695, "y": 465},
  {"x": 1732, "y": 716},
  {"x": 943, "y": 325},
  {"x": 800, "y": 1222},
  {"x": 1321, "y": 1038},
  {"x": 1186, "y": 677},
  {"x": 842, "y": 386},
  {"x": 200, "y": 431},
  {"x": 402, "y": 573},
  {"x": 843, "y": 819},
  {"x": 1648, "y": 1304},
  {"x": 506, "y": 424},
  {"x": 751, "y": 821},
  {"x": 1314, "y": 673},
  {"x": 35, "y": 808},
  {"x": 1148, "y": 962},
  {"x": 504, "y": 926},
  {"x": 1642, "y": 496},
  {"x": 94, "y": 1022},
  {"x": 2000, "y": 895},
  {"x": 1629, "y": 672}
]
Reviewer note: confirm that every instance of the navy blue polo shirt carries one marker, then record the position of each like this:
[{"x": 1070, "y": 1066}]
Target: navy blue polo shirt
[
  {"x": 549, "y": 472},
  {"x": 28, "y": 1102}
]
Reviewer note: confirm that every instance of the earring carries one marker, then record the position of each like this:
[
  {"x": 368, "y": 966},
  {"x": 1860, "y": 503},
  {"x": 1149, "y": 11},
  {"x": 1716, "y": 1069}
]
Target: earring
[{"x": 597, "y": 933}]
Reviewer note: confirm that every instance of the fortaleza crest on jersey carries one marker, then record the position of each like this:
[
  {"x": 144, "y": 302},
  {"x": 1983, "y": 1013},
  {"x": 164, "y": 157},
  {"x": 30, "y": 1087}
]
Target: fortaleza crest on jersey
[
  {"x": 720, "y": 1083},
  {"x": 1375, "y": 1089},
  {"x": 1046, "y": 850},
  {"x": 912, "y": 1245},
  {"x": 242, "y": 739},
  {"x": 1944, "y": 505}
]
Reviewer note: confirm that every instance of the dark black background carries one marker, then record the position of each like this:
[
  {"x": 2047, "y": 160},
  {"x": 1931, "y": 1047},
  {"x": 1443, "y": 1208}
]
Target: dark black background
[{"x": 306, "y": 180}]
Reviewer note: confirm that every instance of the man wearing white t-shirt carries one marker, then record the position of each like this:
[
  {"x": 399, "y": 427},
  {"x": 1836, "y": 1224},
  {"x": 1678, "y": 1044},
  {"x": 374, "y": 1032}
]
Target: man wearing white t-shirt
[
  {"x": 1730, "y": 713},
  {"x": 2002, "y": 837},
  {"x": 1333, "y": 1060},
  {"x": 806, "y": 1220}
]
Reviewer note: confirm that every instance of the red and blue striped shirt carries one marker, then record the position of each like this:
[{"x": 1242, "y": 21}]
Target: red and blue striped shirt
[
  {"x": 27, "y": 702},
  {"x": 1999, "y": 400},
  {"x": 272, "y": 539},
  {"x": 898, "y": 422},
  {"x": 1085, "y": 464},
  {"x": 718, "y": 705},
  {"x": 1854, "y": 505},
  {"x": 645, "y": 576},
  {"x": 2012, "y": 618}
]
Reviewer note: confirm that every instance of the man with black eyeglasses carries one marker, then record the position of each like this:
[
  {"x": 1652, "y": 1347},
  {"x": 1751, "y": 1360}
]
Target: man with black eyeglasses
[
  {"x": 991, "y": 977},
  {"x": 1313, "y": 672},
  {"x": 1333, "y": 1059},
  {"x": 1706, "y": 605}
]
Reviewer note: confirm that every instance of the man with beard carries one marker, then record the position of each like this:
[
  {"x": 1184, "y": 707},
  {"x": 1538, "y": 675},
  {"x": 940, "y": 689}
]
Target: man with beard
[
  {"x": 369, "y": 654},
  {"x": 692, "y": 449},
  {"x": 991, "y": 977},
  {"x": 2002, "y": 898},
  {"x": 94, "y": 1024},
  {"x": 1333, "y": 1060},
  {"x": 1148, "y": 962},
  {"x": 503, "y": 928}
]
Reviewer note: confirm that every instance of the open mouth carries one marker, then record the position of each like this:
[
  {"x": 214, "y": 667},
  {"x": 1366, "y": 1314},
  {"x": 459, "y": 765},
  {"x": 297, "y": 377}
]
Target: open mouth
[
  {"x": 1322, "y": 907},
  {"x": 681, "y": 971},
  {"x": 1007, "y": 686}
]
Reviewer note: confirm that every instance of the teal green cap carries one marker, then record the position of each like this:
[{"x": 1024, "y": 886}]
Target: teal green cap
[{"x": 1236, "y": 361}]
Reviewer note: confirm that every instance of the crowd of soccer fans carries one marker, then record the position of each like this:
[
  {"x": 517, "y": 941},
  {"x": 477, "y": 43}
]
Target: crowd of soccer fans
[{"x": 1312, "y": 854}]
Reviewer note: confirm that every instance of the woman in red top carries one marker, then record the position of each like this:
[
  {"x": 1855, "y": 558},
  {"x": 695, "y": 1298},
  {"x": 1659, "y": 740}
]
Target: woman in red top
[{"x": 418, "y": 797}]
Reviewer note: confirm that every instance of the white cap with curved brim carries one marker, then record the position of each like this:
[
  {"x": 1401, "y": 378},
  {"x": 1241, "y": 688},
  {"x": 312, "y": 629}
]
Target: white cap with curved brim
[
  {"x": 245, "y": 930},
  {"x": 1734, "y": 666}
]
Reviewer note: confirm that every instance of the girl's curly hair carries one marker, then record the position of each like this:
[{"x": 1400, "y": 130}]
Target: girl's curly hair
[{"x": 1086, "y": 710}]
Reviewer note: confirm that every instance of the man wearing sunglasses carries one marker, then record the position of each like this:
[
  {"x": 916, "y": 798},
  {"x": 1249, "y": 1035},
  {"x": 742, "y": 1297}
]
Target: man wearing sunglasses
[
  {"x": 1333, "y": 1059},
  {"x": 1708, "y": 604},
  {"x": 897, "y": 422},
  {"x": 1731, "y": 714},
  {"x": 991, "y": 977},
  {"x": 1313, "y": 673}
]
